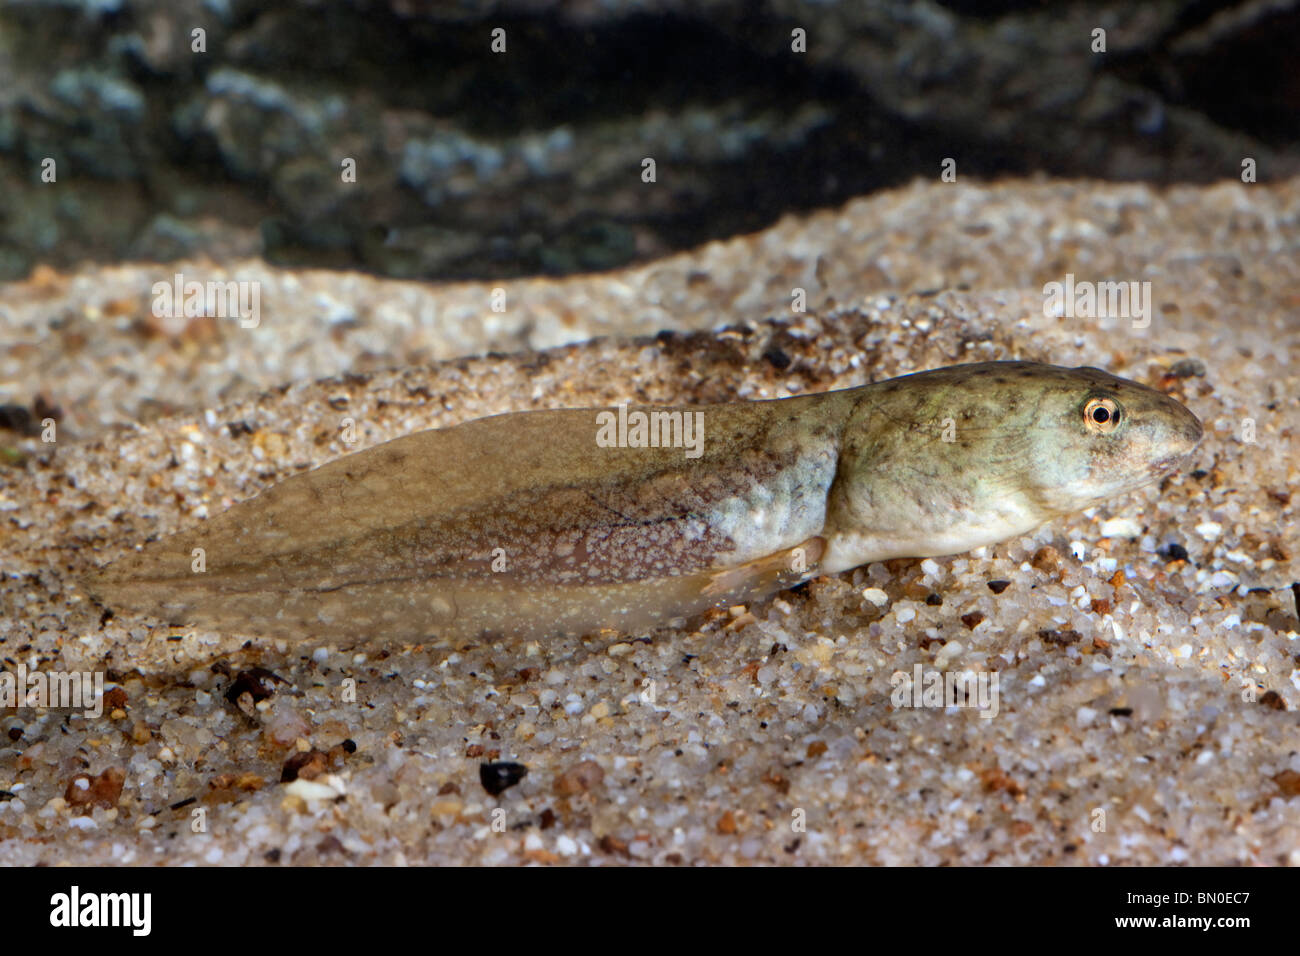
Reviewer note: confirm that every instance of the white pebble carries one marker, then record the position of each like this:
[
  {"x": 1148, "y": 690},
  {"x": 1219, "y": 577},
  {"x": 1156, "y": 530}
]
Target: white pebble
[
  {"x": 1120, "y": 528},
  {"x": 947, "y": 654},
  {"x": 876, "y": 596},
  {"x": 309, "y": 790},
  {"x": 904, "y": 615},
  {"x": 1209, "y": 530},
  {"x": 1085, "y": 716}
]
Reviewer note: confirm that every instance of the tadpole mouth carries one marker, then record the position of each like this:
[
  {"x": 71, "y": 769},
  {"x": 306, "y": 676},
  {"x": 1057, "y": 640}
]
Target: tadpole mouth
[
  {"x": 1181, "y": 439},
  {"x": 1168, "y": 464}
]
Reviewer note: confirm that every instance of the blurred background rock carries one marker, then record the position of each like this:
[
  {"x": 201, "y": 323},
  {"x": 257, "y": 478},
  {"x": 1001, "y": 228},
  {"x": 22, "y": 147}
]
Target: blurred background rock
[{"x": 472, "y": 164}]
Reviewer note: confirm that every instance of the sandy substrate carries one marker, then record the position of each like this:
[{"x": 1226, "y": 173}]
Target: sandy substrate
[{"x": 1147, "y": 652}]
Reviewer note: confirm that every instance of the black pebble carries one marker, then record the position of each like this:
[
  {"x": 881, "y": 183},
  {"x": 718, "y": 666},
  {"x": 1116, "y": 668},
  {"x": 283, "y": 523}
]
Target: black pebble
[
  {"x": 997, "y": 587},
  {"x": 1173, "y": 552},
  {"x": 257, "y": 682},
  {"x": 778, "y": 358},
  {"x": 933, "y": 599},
  {"x": 17, "y": 419},
  {"x": 497, "y": 778}
]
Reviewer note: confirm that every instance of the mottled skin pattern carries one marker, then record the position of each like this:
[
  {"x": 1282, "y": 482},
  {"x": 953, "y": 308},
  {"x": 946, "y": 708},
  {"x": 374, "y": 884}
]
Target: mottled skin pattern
[{"x": 521, "y": 525}]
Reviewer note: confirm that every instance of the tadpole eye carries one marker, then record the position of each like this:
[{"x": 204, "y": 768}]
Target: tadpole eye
[{"x": 1101, "y": 415}]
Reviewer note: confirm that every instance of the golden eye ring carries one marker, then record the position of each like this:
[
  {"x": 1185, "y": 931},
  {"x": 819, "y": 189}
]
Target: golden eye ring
[{"x": 1102, "y": 415}]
